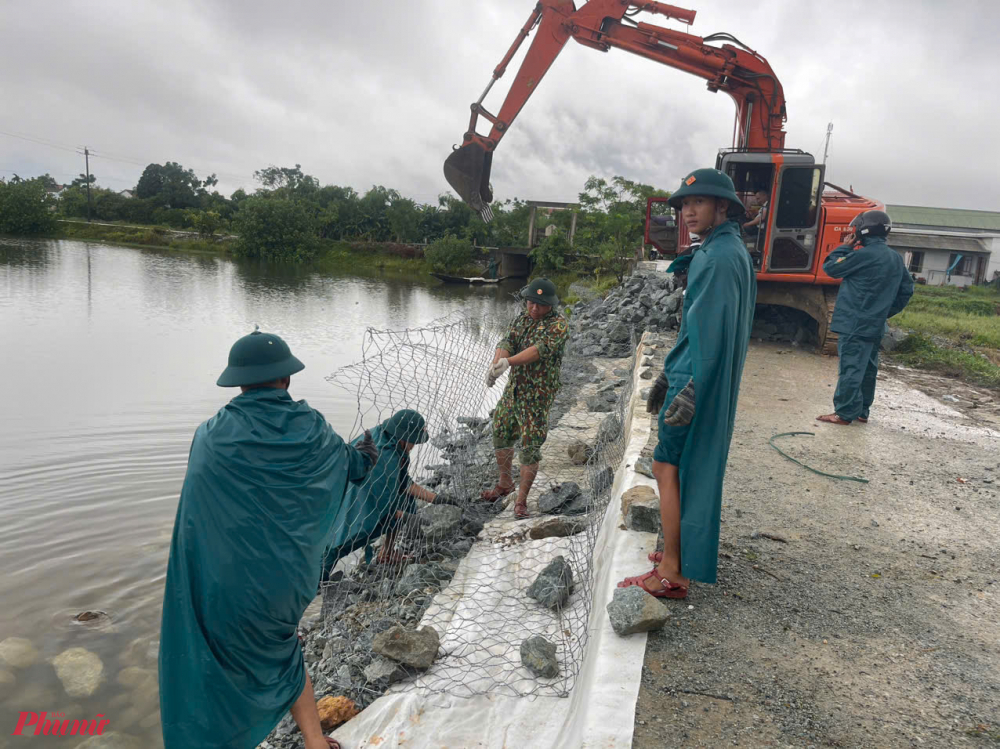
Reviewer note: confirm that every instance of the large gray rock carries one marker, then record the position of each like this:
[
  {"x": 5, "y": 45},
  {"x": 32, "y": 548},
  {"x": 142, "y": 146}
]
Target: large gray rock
[
  {"x": 645, "y": 467},
  {"x": 892, "y": 339},
  {"x": 619, "y": 333},
  {"x": 384, "y": 671},
  {"x": 17, "y": 652},
  {"x": 417, "y": 648},
  {"x": 538, "y": 655},
  {"x": 80, "y": 671},
  {"x": 644, "y": 515},
  {"x": 556, "y": 528},
  {"x": 438, "y": 522},
  {"x": 419, "y": 576},
  {"x": 599, "y": 404},
  {"x": 604, "y": 480},
  {"x": 558, "y": 496},
  {"x": 673, "y": 302},
  {"x": 634, "y": 610},
  {"x": 553, "y": 585}
]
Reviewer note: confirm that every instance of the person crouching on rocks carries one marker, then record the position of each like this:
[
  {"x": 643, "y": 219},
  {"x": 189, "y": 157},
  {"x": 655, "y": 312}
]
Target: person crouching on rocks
[
  {"x": 533, "y": 351},
  {"x": 381, "y": 503},
  {"x": 704, "y": 368}
]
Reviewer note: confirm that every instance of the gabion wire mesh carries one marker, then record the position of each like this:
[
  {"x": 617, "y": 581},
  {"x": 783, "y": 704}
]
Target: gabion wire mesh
[{"x": 471, "y": 563}]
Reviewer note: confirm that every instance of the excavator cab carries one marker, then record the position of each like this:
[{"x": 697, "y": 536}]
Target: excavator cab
[{"x": 785, "y": 240}]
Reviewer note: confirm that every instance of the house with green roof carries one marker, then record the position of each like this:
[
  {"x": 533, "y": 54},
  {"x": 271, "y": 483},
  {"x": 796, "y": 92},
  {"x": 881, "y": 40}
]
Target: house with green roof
[{"x": 950, "y": 246}]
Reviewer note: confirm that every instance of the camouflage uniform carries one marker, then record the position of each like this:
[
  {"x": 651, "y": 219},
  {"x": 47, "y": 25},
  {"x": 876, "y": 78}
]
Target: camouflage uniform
[{"x": 523, "y": 411}]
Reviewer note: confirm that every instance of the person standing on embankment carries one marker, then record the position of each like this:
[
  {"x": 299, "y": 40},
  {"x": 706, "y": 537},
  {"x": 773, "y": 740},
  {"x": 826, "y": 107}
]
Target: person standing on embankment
[
  {"x": 265, "y": 478},
  {"x": 704, "y": 368},
  {"x": 533, "y": 351},
  {"x": 876, "y": 285}
]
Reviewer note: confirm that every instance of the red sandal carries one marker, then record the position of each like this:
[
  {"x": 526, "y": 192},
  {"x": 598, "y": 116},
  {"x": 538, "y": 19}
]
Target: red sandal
[
  {"x": 655, "y": 557},
  {"x": 334, "y": 744},
  {"x": 670, "y": 590},
  {"x": 521, "y": 511},
  {"x": 497, "y": 492}
]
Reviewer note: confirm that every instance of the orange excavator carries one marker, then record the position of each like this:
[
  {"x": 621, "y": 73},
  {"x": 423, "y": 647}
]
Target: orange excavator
[{"x": 803, "y": 222}]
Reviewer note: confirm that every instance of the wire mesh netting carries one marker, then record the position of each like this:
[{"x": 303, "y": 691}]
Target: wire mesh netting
[{"x": 483, "y": 580}]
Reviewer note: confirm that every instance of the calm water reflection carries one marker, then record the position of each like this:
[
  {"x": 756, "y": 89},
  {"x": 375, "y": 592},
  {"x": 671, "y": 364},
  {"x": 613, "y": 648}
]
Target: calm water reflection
[{"x": 109, "y": 361}]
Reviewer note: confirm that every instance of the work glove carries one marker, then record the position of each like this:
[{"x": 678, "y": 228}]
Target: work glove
[
  {"x": 681, "y": 409},
  {"x": 657, "y": 395},
  {"x": 368, "y": 449},
  {"x": 495, "y": 371}
]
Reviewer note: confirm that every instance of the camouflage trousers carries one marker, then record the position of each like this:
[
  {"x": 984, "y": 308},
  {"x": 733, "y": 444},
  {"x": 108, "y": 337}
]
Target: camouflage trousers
[{"x": 521, "y": 421}]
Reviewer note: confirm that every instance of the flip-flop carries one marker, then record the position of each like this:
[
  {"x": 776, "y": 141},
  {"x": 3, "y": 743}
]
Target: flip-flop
[
  {"x": 862, "y": 420},
  {"x": 833, "y": 419},
  {"x": 521, "y": 511},
  {"x": 334, "y": 744},
  {"x": 670, "y": 590},
  {"x": 497, "y": 492}
]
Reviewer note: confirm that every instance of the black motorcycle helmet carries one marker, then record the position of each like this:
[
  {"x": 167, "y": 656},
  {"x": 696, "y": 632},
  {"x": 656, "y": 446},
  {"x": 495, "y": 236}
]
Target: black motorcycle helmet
[{"x": 872, "y": 224}]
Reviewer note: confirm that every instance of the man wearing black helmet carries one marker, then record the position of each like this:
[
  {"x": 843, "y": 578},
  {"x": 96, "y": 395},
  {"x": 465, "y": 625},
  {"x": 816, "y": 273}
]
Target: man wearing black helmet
[
  {"x": 876, "y": 285},
  {"x": 265, "y": 478}
]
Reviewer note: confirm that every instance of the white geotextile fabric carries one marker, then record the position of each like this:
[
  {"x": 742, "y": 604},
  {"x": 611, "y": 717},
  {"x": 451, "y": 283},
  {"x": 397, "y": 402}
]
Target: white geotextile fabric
[{"x": 600, "y": 710}]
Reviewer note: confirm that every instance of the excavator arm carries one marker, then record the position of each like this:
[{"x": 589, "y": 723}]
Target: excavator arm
[{"x": 602, "y": 25}]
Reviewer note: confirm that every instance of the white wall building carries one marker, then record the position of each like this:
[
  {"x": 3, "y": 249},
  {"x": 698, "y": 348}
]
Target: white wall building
[{"x": 947, "y": 245}]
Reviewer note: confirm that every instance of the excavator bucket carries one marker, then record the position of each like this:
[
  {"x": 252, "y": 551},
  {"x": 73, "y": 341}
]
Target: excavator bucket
[{"x": 468, "y": 172}]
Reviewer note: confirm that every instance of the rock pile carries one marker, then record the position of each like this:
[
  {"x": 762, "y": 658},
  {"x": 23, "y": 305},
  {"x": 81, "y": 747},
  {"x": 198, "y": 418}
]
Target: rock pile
[{"x": 605, "y": 328}]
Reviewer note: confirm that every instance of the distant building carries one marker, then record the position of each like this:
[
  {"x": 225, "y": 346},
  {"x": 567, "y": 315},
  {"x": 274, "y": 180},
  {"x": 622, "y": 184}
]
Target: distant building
[
  {"x": 126, "y": 194},
  {"x": 947, "y": 246}
]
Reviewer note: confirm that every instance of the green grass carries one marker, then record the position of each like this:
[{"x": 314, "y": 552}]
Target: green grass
[
  {"x": 139, "y": 237},
  {"x": 340, "y": 257},
  {"x": 920, "y": 351},
  {"x": 601, "y": 284},
  {"x": 963, "y": 317}
]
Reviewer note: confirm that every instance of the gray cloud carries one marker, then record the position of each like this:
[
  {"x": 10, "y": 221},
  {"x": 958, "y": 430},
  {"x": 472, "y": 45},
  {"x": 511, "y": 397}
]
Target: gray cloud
[{"x": 376, "y": 93}]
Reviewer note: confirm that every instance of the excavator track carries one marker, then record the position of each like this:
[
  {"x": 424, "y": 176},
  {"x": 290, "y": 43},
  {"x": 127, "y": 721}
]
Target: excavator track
[{"x": 816, "y": 301}]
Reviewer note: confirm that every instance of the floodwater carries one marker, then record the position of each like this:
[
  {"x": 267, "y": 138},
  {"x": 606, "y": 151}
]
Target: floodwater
[{"x": 109, "y": 362}]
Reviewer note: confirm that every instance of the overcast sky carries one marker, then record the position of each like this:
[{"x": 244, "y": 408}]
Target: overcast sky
[{"x": 376, "y": 92}]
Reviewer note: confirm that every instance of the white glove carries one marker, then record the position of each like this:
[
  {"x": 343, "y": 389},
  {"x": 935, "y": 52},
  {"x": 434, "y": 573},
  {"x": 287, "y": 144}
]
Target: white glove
[{"x": 495, "y": 371}]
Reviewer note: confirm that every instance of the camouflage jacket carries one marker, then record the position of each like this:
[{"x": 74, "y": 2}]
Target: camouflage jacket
[{"x": 538, "y": 380}]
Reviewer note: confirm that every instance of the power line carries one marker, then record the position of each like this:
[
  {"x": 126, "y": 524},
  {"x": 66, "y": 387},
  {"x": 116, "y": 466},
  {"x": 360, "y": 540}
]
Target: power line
[{"x": 108, "y": 156}]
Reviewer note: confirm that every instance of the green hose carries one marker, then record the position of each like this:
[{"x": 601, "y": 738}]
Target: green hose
[{"x": 810, "y": 468}]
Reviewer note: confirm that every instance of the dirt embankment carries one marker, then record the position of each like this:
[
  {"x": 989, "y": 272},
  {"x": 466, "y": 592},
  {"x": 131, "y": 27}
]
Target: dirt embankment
[{"x": 846, "y": 614}]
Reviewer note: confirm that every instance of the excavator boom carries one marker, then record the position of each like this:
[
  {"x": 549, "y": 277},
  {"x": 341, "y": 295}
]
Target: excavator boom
[{"x": 602, "y": 25}]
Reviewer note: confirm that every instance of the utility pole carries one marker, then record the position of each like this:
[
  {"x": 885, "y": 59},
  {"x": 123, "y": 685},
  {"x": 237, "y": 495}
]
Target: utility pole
[
  {"x": 86, "y": 156},
  {"x": 826, "y": 148}
]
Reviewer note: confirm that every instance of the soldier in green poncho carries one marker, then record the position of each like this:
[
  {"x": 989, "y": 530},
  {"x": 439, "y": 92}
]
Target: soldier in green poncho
[
  {"x": 379, "y": 504},
  {"x": 704, "y": 367},
  {"x": 266, "y": 476},
  {"x": 533, "y": 351}
]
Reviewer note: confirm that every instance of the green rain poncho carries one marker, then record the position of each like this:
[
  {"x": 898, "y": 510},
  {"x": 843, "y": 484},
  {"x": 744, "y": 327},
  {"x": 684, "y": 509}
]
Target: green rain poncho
[
  {"x": 369, "y": 508},
  {"x": 711, "y": 348},
  {"x": 265, "y": 478}
]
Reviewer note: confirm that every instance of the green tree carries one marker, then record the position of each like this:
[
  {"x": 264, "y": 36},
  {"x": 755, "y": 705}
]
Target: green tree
[
  {"x": 171, "y": 185},
  {"x": 291, "y": 179},
  {"x": 206, "y": 223},
  {"x": 449, "y": 254},
  {"x": 274, "y": 229},
  {"x": 82, "y": 180},
  {"x": 25, "y": 208},
  {"x": 404, "y": 220},
  {"x": 552, "y": 255}
]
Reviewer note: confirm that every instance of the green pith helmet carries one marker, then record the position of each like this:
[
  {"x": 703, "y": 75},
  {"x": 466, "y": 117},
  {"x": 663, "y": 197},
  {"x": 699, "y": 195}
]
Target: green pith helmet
[
  {"x": 257, "y": 358},
  {"x": 543, "y": 291},
  {"x": 407, "y": 425},
  {"x": 710, "y": 182}
]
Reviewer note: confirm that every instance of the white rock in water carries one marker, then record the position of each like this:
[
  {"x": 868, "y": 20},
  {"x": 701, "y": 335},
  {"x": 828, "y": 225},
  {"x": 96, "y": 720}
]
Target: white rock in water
[
  {"x": 79, "y": 670},
  {"x": 17, "y": 652},
  {"x": 111, "y": 740}
]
